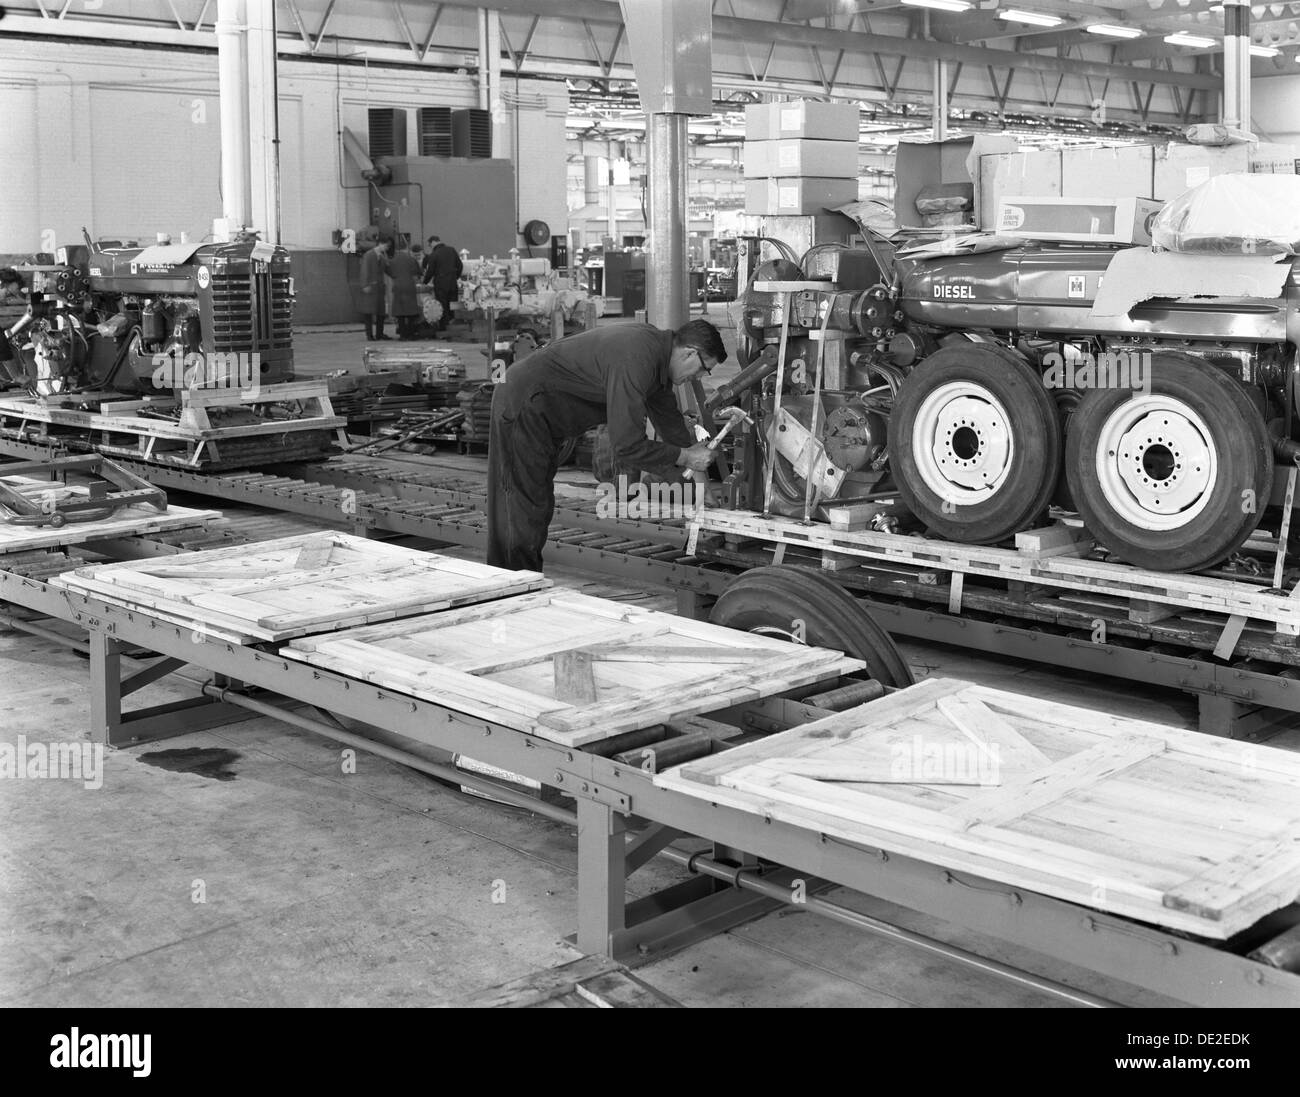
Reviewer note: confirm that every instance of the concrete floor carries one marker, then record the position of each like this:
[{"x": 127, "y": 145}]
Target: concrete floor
[{"x": 375, "y": 888}]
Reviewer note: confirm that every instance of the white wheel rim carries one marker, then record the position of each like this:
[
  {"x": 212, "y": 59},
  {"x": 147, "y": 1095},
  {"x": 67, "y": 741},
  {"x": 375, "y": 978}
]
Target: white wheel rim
[
  {"x": 962, "y": 443},
  {"x": 1156, "y": 462}
]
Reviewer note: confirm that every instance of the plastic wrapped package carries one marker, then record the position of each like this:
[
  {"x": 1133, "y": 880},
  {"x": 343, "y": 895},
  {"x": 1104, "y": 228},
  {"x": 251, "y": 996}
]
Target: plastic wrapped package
[
  {"x": 1233, "y": 215},
  {"x": 1215, "y": 133}
]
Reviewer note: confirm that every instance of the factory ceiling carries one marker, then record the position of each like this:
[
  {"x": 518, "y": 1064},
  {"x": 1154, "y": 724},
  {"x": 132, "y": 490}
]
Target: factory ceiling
[{"x": 1010, "y": 63}]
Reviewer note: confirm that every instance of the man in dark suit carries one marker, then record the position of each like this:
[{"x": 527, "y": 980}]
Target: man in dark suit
[
  {"x": 374, "y": 266},
  {"x": 442, "y": 269}
]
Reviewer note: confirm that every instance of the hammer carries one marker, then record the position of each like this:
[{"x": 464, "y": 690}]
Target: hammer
[{"x": 735, "y": 416}]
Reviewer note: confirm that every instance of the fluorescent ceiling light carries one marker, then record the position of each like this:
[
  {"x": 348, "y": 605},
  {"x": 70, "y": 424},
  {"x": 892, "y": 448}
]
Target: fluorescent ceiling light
[
  {"x": 1198, "y": 41},
  {"x": 1033, "y": 18},
  {"x": 940, "y": 5},
  {"x": 1263, "y": 51},
  {"x": 1112, "y": 31}
]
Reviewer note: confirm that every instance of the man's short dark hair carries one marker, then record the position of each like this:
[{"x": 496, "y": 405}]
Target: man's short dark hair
[
  {"x": 435, "y": 240},
  {"x": 9, "y": 276},
  {"x": 702, "y": 336}
]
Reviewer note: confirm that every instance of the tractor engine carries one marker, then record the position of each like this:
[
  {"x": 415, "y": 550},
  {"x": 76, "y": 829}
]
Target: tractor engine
[
  {"x": 982, "y": 389},
  {"x": 148, "y": 320}
]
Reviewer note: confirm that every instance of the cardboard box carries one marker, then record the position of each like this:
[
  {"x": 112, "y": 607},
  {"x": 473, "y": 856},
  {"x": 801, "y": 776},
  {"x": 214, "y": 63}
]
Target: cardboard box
[
  {"x": 1122, "y": 172},
  {"x": 1179, "y": 168},
  {"x": 820, "y": 159},
  {"x": 797, "y": 196},
  {"x": 1083, "y": 220},
  {"x": 802, "y": 118},
  {"x": 919, "y": 164},
  {"x": 1032, "y": 173},
  {"x": 1274, "y": 159}
]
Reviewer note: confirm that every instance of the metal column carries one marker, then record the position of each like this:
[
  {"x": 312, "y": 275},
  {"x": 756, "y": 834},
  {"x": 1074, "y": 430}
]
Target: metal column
[
  {"x": 1236, "y": 64},
  {"x": 671, "y": 42},
  {"x": 667, "y": 284},
  {"x": 939, "y": 107},
  {"x": 232, "y": 67},
  {"x": 263, "y": 121}
]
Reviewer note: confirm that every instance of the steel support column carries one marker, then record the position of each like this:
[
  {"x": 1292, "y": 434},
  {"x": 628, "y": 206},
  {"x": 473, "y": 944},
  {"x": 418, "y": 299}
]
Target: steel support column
[
  {"x": 263, "y": 121},
  {"x": 671, "y": 42},
  {"x": 232, "y": 67},
  {"x": 939, "y": 104},
  {"x": 667, "y": 281},
  {"x": 1236, "y": 64}
]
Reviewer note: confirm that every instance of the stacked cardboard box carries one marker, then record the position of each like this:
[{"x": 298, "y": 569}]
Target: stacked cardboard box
[
  {"x": 1133, "y": 171},
  {"x": 800, "y": 157}
]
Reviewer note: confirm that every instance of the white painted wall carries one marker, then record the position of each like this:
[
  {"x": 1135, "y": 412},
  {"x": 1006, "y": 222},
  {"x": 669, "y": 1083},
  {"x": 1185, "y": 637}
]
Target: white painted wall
[
  {"x": 127, "y": 141},
  {"x": 1275, "y": 108}
]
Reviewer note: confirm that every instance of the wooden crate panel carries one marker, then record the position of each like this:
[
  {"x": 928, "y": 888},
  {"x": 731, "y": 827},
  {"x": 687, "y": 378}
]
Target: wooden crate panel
[
  {"x": 297, "y": 585},
  {"x": 1167, "y": 826},
  {"x": 127, "y": 522},
  {"x": 568, "y": 667}
]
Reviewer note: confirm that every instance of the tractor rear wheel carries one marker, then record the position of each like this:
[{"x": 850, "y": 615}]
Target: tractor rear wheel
[
  {"x": 1177, "y": 476},
  {"x": 975, "y": 443},
  {"x": 800, "y": 604}
]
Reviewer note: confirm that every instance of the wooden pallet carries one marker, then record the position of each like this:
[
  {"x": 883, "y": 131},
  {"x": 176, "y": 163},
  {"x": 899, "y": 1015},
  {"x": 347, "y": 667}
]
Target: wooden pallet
[
  {"x": 293, "y": 586},
  {"x": 1056, "y": 564},
  {"x": 127, "y": 522},
  {"x": 1094, "y": 618},
  {"x": 570, "y": 668},
  {"x": 1135, "y": 818},
  {"x": 184, "y": 432}
]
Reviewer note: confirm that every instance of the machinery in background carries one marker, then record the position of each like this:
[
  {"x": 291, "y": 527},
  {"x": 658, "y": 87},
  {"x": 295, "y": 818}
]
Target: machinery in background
[
  {"x": 147, "y": 320},
  {"x": 979, "y": 389},
  {"x": 521, "y": 292}
]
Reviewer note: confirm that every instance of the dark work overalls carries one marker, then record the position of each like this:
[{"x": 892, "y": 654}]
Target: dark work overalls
[{"x": 616, "y": 375}]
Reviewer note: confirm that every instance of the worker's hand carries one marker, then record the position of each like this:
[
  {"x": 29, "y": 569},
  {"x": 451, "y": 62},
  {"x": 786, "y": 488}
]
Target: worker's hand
[{"x": 698, "y": 457}]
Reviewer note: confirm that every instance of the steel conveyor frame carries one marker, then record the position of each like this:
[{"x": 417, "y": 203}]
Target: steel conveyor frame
[{"x": 610, "y": 795}]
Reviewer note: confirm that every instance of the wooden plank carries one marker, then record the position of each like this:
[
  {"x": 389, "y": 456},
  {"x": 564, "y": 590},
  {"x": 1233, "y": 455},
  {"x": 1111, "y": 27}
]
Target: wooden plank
[
  {"x": 811, "y": 738},
  {"x": 1028, "y": 794},
  {"x": 880, "y": 770},
  {"x": 1271, "y": 864},
  {"x": 575, "y": 681},
  {"x": 1227, "y": 644},
  {"x": 1054, "y": 540},
  {"x": 985, "y": 727}
]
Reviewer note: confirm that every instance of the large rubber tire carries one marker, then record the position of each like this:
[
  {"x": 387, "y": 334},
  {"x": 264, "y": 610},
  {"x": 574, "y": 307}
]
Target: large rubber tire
[
  {"x": 1194, "y": 443},
  {"x": 771, "y": 599},
  {"x": 975, "y": 443}
]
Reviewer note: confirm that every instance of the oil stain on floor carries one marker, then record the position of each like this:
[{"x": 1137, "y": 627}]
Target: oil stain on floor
[{"x": 212, "y": 762}]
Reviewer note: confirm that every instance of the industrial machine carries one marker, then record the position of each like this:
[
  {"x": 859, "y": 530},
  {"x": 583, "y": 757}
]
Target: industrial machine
[
  {"x": 141, "y": 320},
  {"x": 980, "y": 389}
]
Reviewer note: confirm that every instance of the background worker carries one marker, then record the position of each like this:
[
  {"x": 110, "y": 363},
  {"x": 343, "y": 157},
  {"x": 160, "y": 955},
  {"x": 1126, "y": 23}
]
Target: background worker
[
  {"x": 442, "y": 270},
  {"x": 374, "y": 266},
  {"x": 404, "y": 269},
  {"x": 619, "y": 375}
]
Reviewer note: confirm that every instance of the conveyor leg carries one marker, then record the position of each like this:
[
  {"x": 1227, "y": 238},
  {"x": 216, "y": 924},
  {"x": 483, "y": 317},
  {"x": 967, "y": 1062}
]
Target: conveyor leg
[
  {"x": 602, "y": 877},
  {"x": 105, "y": 688},
  {"x": 1222, "y": 716},
  {"x": 112, "y": 727}
]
